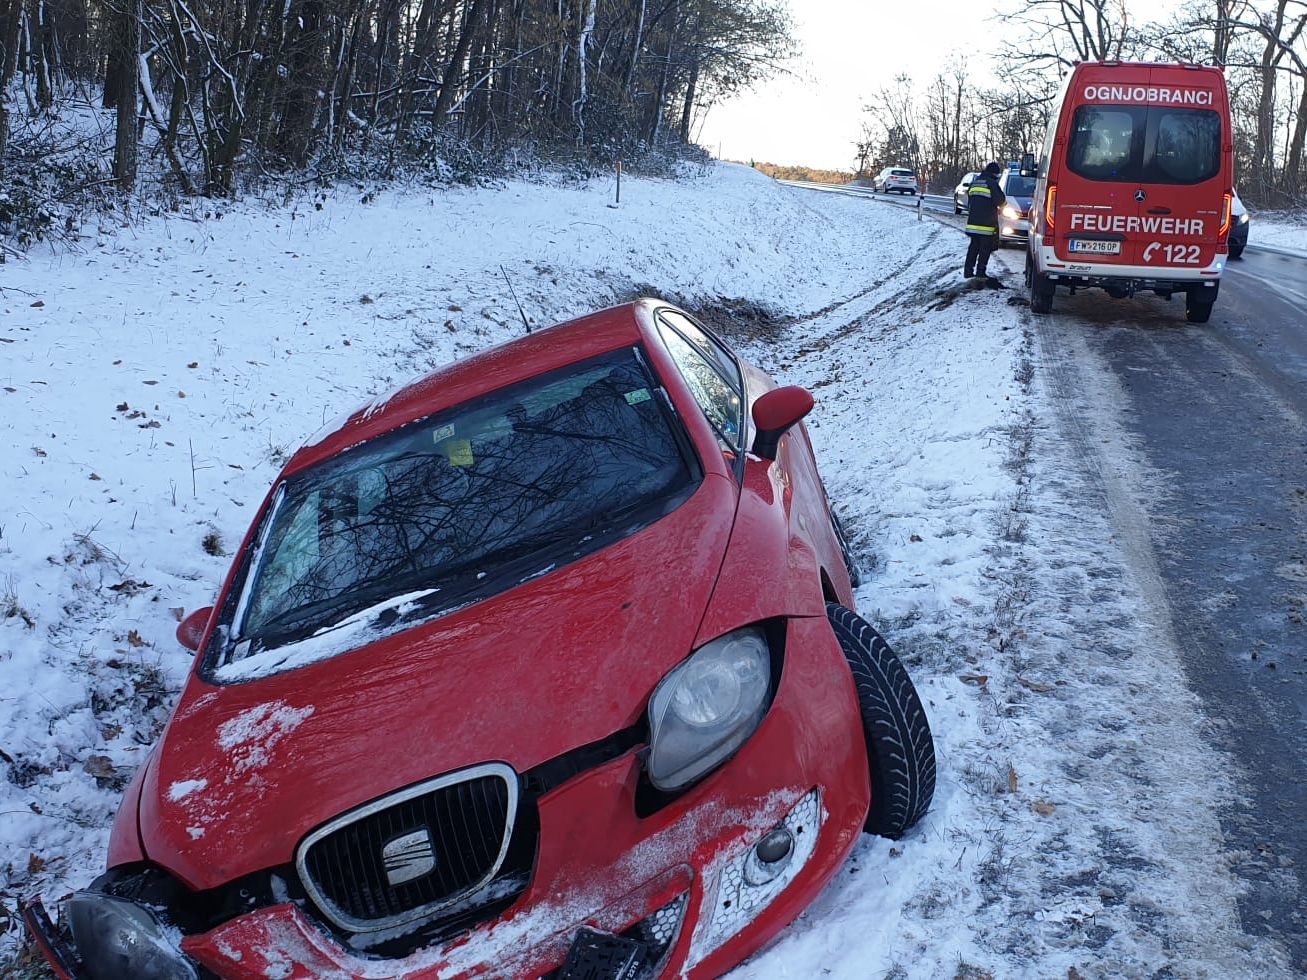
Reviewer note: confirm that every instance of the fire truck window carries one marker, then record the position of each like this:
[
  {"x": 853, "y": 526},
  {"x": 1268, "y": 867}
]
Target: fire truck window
[
  {"x": 1188, "y": 148},
  {"x": 1101, "y": 143}
]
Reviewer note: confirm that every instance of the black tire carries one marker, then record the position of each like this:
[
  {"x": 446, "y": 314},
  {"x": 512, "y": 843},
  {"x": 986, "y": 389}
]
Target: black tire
[
  {"x": 1197, "y": 311},
  {"x": 1041, "y": 290},
  {"x": 1236, "y": 251},
  {"x": 900, "y": 750}
]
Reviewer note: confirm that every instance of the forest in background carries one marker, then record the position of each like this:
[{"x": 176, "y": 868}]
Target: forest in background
[
  {"x": 958, "y": 121},
  {"x": 213, "y": 92}
]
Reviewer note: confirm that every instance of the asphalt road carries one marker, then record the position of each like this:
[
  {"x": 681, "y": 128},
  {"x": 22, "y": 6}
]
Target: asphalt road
[
  {"x": 1215, "y": 489},
  {"x": 1217, "y": 415}
]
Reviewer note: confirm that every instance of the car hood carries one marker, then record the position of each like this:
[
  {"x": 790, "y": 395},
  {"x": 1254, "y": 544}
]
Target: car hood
[
  {"x": 1022, "y": 202},
  {"x": 244, "y": 771}
]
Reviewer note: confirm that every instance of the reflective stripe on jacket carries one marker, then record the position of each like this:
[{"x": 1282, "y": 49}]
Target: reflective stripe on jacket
[{"x": 984, "y": 198}]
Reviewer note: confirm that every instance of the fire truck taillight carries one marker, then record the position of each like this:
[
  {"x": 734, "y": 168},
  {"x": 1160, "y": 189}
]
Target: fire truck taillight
[
  {"x": 1050, "y": 202},
  {"x": 1226, "y": 204}
]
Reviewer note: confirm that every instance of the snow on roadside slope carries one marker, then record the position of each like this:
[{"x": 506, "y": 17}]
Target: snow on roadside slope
[
  {"x": 1042, "y": 851},
  {"x": 1279, "y": 230}
]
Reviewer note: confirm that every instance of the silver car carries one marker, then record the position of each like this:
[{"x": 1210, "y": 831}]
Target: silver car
[
  {"x": 960, "y": 192},
  {"x": 1014, "y": 215}
]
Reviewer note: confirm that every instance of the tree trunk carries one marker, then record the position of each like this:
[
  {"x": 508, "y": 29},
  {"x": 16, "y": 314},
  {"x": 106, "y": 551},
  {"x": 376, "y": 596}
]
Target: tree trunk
[
  {"x": 637, "y": 41},
  {"x": 455, "y": 67},
  {"x": 10, "y": 22},
  {"x": 128, "y": 44},
  {"x": 587, "y": 26},
  {"x": 43, "y": 55}
]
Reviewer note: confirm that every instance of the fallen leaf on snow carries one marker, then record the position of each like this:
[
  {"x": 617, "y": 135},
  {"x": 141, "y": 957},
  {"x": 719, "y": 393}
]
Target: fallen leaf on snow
[
  {"x": 39, "y": 303},
  {"x": 35, "y": 864},
  {"x": 130, "y": 587},
  {"x": 915, "y": 537},
  {"x": 980, "y": 680},
  {"x": 1011, "y": 778},
  {"x": 122, "y": 407},
  {"x": 96, "y": 476},
  {"x": 1043, "y": 809},
  {"x": 1039, "y": 687},
  {"x": 99, "y": 766},
  {"x": 178, "y": 612},
  {"x": 39, "y": 451},
  {"x": 181, "y": 394},
  {"x": 134, "y": 638},
  {"x": 150, "y": 382}
]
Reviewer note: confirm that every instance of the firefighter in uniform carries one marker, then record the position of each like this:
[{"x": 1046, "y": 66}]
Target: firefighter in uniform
[{"x": 984, "y": 199}]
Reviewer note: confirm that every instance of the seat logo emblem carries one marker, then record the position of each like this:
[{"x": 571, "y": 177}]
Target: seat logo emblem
[
  {"x": 1140, "y": 195},
  {"x": 409, "y": 857}
]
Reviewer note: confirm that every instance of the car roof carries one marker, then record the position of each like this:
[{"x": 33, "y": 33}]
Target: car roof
[{"x": 496, "y": 367}]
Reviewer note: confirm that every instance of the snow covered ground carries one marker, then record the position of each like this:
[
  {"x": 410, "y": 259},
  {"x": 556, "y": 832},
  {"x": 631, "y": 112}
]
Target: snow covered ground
[
  {"x": 1279, "y": 230},
  {"x": 155, "y": 379}
]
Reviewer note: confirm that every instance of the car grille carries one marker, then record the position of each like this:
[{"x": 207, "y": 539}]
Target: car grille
[{"x": 413, "y": 854}]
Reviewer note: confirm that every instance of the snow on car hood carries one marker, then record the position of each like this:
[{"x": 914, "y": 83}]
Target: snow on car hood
[{"x": 244, "y": 771}]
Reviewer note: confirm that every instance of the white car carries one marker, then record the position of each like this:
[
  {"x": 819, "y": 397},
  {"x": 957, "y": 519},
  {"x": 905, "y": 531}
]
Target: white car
[
  {"x": 899, "y": 179},
  {"x": 960, "y": 202}
]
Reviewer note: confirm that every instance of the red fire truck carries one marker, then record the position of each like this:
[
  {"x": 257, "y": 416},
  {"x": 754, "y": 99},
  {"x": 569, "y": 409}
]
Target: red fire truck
[{"x": 1135, "y": 180}]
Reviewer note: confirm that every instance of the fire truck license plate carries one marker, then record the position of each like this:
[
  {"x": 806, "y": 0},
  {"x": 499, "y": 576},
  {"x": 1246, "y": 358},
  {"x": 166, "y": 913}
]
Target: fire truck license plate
[{"x": 1099, "y": 248}]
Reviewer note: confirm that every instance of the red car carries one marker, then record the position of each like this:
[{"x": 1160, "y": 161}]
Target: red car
[{"x": 543, "y": 667}]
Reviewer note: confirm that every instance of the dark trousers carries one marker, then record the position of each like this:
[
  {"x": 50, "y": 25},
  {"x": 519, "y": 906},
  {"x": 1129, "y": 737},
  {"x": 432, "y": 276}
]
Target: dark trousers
[{"x": 978, "y": 252}]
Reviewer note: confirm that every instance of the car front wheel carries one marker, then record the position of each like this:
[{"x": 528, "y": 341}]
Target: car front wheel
[{"x": 900, "y": 750}]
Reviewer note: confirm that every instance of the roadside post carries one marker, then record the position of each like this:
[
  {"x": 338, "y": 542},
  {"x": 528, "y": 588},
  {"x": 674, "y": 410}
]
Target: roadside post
[
  {"x": 618, "y": 201},
  {"x": 921, "y": 193}
]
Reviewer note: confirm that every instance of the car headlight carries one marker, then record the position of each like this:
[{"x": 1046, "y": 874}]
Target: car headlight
[
  {"x": 1243, "y": 218},
  {"x": 118, "y": 938},
  {"x": 707, "y": 707},
  {"x": 1010, "y": 212}
]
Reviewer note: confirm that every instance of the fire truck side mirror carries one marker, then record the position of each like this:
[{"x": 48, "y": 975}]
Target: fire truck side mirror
[{"x": 1028, "y": 168}]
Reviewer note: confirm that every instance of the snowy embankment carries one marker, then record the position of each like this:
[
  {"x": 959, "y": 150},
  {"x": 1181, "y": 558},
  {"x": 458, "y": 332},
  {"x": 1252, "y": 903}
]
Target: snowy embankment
[
  {"x": 155, "y": 380},
  {"x": 1279, "y": 231}
]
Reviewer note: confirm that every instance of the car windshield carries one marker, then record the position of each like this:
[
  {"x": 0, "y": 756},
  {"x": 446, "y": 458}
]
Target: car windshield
[
  {"x": 467, "y": 502},
  {"x": 1018, "y": 186}
]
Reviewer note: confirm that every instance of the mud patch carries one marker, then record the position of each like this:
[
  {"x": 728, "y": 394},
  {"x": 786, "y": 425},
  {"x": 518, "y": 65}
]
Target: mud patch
[{"x": 735, "y": 318}]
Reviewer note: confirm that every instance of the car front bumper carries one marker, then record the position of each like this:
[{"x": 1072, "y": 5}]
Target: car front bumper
[
  {"x": 600, "y": 865},
  {"x": 1015, "y": 230}
]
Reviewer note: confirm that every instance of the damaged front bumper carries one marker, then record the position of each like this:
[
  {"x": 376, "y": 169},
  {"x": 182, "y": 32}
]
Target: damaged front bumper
[{"x": 698, "y": 882}]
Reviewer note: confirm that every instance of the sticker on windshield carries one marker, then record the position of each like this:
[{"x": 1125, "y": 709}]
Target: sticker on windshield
[
  {"x": 637, "y": 396},
  {"x": 460, "y": 452},
  {"x": 443, "y": 433}
]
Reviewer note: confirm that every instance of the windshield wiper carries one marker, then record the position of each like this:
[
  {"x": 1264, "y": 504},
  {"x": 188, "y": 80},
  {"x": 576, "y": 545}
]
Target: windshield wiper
[{"x": 301, "y": 621}]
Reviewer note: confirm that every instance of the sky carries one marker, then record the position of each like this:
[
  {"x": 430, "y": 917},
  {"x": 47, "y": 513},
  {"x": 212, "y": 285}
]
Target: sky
[{"x": 851, "y": 52}]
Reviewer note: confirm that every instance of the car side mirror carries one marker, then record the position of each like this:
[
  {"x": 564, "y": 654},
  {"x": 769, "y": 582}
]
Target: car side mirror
[
  {"x": 190, "y": 631},
  {"x": 774, "y": 414},
  {"x": 1028, "y": 167}
]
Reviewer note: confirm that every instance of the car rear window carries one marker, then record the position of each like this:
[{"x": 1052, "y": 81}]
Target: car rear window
[
  {"x": 466, "y": 503},
  {"x": 1148, "y": 144},
  {"x": 904, "y": 173}
]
